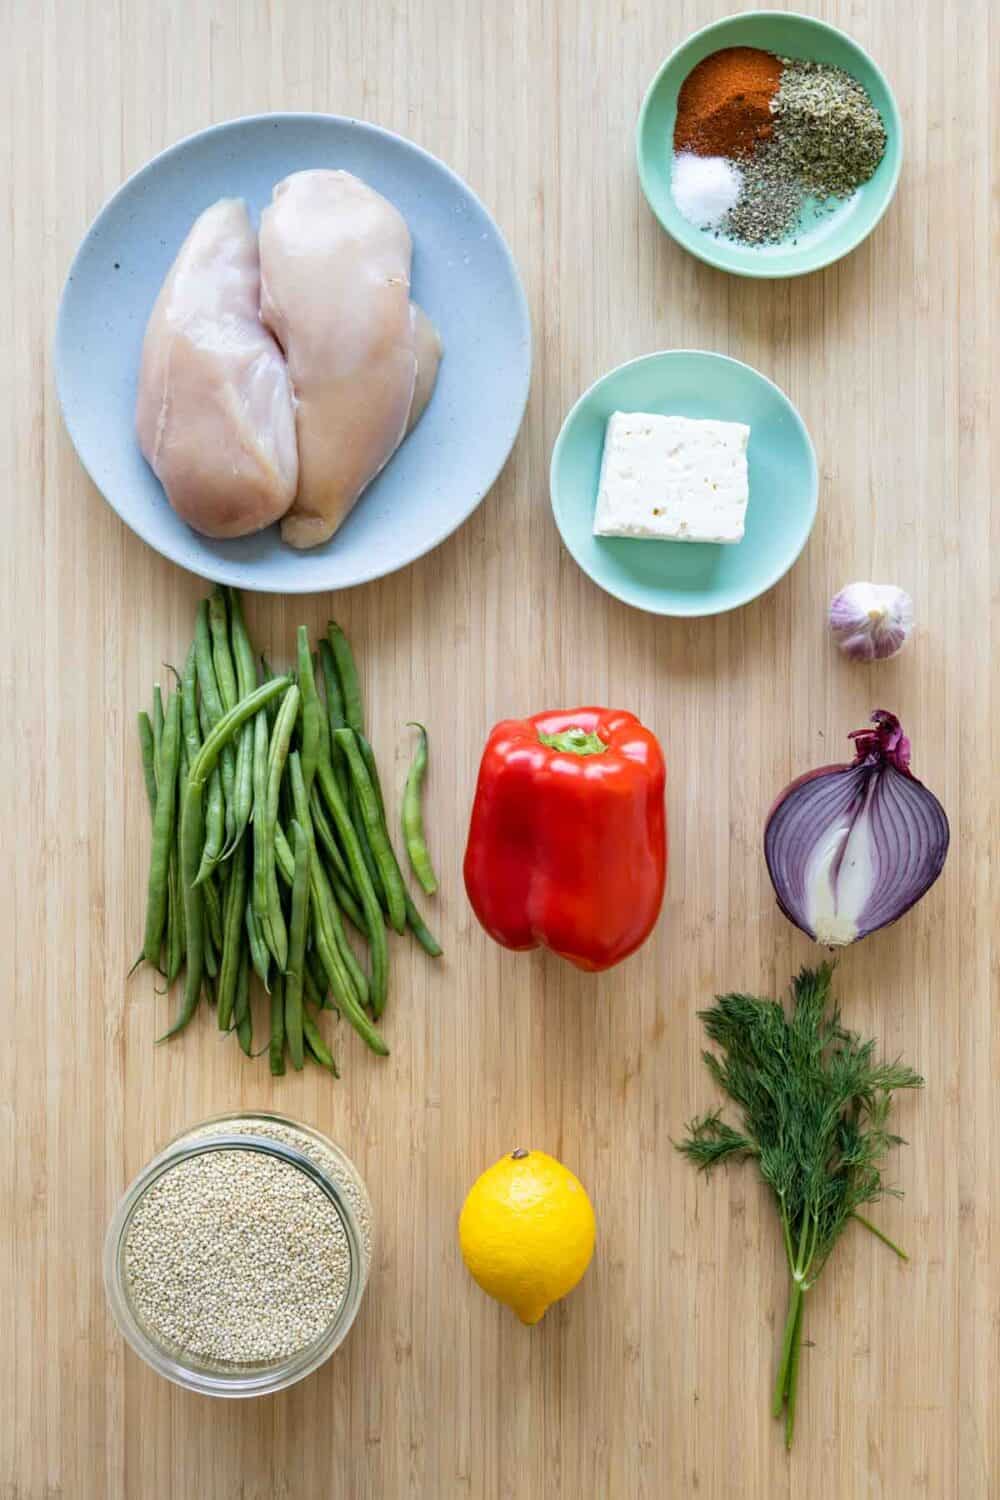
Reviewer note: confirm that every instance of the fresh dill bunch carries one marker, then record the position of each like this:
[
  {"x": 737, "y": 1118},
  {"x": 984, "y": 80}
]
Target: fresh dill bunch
[{"x": 814, "y": 1103}]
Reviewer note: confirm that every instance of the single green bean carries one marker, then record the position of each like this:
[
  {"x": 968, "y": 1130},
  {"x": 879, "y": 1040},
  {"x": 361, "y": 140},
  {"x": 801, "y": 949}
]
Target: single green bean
[
  {"x": 211, "y": 956},
  {"x": 297, "y": 946},
  {"x": 260, "y": 956},
  {"x": 284, "y": 859},
  {"x": 213, "y": 913},
  {"x": 316, "y": 987},
  {"x": 348, "y": 1007},
  {"x": 189, "y": 707},
  {"x": 260, "y": 833},
  {"x": 348, "y": 673},
  {"x": 317, "y": 1047},
  {"x": 378, "y": 837},
  {"x": 158, "y": 722},
  {"x": 276, "y": 1050},
  {"x": 413, "y": 817},
  {"x": 420, "y": 930},
  {"x": 215, "y": 811},
  {"x": 352, "y": 983},
  {"x": 148, "y": 759},
  {"x": 327, "y": 839},
  {"x": 334, "y": 697},
  {"x": 274, "y": 929},
  {"x": 362, "y": 884},
  {"x": 232, "y": 938},
  {"x": 214, "y": 707},
  {"x": 314, "y": 723},
  {"x": 246, "y": 681},
  {"x": 175, "y": 919},
  {"x": 243, "y": 1016},
  {"x": 222, "y": 657},
  {"x": 163, "y": 832}
]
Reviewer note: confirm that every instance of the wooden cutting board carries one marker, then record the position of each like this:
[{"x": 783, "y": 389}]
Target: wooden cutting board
[{"x": 652, "y": 1380}]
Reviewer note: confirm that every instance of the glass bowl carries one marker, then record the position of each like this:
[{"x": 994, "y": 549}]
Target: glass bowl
[{"x": 331, "y": 1170}]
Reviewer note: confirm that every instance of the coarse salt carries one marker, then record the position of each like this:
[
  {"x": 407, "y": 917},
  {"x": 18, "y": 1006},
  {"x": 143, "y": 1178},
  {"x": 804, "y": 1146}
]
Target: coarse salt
[{"x": 705, "y": 187}]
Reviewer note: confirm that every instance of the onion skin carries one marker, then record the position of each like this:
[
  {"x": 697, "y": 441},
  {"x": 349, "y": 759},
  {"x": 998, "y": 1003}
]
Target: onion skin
[{"x": 850, "y": 848}]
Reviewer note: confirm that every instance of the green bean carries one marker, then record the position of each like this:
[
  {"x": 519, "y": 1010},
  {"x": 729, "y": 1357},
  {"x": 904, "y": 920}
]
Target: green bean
[
  {"x": 232, "y": 938},
  {"x": 242, "y": 1013},
  {"x": 211, "y": 956},
  {"x": 420, "y": 930},
  {"x": 246, "y": 681},
  {"x": 297, "y": 946},
  {"x": 259, "y": 955},
  {"x": 334, "y": 697},
  {"x": 192, "y": 834},
  {"x": 314, "y": 978},
  {"x": 246, "y": 667},
  {"x": 273, "y": 921},
  {"x": 163, "y": 832},
  {"x": 175, "y": 919},
  {"x": 267, "y": 674},
  {"x": 189, "y": 707},
  {"x": 327, "y": 839},
  {"x": 148, "y": 759},
  {"x": 223, "y": 732},
  {"x": 350, "y": 988},
  {"x": 348, "y": 674},
  {"x": 215, "y": 811},
  {"x": 276, "y": 1050},
  {"x": 413, "y": 817},
  {"x": 284, "y": 859},
  {"x": 259, "y": 888},
  {"x": 212, "y": 699},
  {"x": 222, "y": 658},
  {"x": 213, "y": 914},
  {"x": 362, "y": 884},
  {"x": 313, "y": 721},
  {"x": 350, "y": 978},
  {"x": 317, "y": 1047},
  {"x": 157, "y": 727},
  {"x": 378, "y": 837}
]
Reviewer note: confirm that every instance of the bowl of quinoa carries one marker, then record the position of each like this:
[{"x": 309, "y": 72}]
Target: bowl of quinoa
[
  {"x": 238, "y": 1258},
  {"x": 769, "y": 144}
]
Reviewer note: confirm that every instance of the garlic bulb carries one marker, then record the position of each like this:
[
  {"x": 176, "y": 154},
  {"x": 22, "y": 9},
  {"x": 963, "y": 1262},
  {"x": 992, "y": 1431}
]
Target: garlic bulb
[{"x": 871, "y": 621}]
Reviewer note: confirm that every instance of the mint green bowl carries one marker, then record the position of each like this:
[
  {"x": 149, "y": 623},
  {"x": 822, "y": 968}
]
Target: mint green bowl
[
  {"x": 825, "y": 237},
  {"x": 689, "y": 578}
]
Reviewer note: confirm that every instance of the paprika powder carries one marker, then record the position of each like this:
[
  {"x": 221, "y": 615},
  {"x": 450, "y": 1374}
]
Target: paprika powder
[{"x": 724, "y": 105}]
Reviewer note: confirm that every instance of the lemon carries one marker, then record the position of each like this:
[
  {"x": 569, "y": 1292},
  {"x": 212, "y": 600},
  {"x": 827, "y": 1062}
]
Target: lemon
[{"x": 527, "y": 1232}]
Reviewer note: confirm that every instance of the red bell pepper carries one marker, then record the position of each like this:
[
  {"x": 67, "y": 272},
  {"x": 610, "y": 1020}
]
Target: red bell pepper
[{"x": 567, "y": 844}]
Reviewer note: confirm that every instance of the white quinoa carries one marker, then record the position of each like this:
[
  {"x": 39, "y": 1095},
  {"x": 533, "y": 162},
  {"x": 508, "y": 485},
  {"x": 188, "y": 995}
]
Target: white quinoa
[{"x": 237, "y": 1257}]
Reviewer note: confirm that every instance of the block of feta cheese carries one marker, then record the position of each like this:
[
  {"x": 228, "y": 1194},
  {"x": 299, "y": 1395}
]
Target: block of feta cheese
[{"x": 675, "y": 479}]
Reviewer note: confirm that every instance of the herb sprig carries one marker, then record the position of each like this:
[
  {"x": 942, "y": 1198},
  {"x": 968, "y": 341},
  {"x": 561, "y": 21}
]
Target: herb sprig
[{"x": 814, "y": 1102}]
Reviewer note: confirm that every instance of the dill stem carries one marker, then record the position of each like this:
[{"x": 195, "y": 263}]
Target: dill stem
[
  {"x": 792, "y": 1322},
  {"x": 879, "y": 1235},
  {"x": 792, "y": 1383}
]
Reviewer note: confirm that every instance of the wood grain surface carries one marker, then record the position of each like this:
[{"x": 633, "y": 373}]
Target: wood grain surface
[{"x": 652, "y": 1380}]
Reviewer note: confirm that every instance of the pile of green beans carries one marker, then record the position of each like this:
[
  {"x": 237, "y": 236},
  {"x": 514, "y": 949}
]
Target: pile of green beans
[{"x": 271, "y": 865}]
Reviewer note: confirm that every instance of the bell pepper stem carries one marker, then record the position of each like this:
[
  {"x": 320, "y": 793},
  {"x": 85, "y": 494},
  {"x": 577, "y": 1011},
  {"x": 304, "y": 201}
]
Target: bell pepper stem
[{"x": 576, "y": 740}]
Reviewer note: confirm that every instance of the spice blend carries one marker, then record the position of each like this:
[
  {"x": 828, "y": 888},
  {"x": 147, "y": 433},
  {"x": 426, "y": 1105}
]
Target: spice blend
[{"x": 791, "y": 130}]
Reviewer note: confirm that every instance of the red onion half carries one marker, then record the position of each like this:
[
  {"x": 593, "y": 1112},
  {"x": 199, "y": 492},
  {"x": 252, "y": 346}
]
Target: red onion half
[{"x": 851, "y": 848}]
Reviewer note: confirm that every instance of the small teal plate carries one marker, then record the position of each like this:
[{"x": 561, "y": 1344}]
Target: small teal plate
[
  {"x": 463, "y": 275},
  {"x": 826, "y": 236},
  {"x": 690, "y": 578}
]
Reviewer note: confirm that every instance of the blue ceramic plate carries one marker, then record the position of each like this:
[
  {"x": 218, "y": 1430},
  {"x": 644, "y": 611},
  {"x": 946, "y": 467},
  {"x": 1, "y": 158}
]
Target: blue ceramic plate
[
  {"x": 690, "y": 578},
  {"x": 463, "y": 275},
  {"x": 823, "y": 237}
]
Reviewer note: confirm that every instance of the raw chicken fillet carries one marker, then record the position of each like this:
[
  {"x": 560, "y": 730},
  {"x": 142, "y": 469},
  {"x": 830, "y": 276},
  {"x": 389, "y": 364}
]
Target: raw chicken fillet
[
  {"x": 215, "y": 415},
  {"x": 335, "y": 291}
]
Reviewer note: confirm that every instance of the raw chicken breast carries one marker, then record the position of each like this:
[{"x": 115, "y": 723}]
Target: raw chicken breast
[
  {"x": 427, "y": 348},
  {"x": 335, "y": 291},
  {"x": 215, "y": 416}
]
